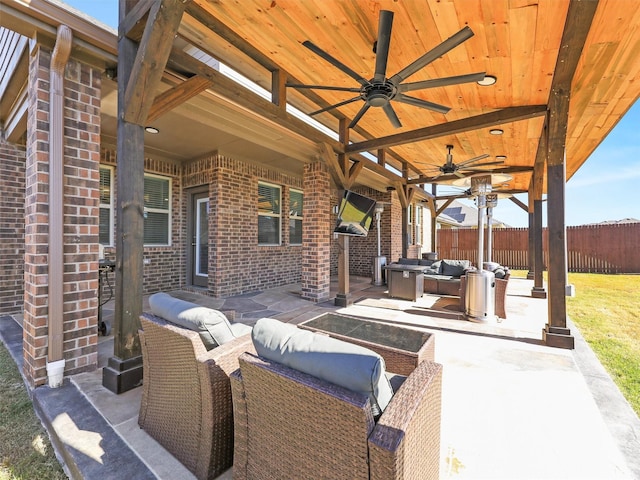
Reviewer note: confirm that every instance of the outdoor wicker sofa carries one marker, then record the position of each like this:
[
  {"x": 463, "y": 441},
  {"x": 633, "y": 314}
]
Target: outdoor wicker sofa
[
  {"x": 290, "y": 424},
  {"x": 186, "y": 398}
]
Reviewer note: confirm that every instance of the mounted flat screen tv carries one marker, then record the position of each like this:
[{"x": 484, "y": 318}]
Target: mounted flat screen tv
[{"x": 355, "y": 214}]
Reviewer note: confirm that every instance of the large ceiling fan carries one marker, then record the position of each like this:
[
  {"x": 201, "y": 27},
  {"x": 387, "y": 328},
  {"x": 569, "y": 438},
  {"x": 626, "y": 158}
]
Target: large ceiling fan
[
  {"x": 381, "y": 90},
  {"x": 462, "y": 169}
]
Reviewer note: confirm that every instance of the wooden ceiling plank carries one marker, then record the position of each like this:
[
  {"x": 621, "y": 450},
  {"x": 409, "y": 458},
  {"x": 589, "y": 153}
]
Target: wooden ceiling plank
[
  {"x": 170, "y": 99},
  {"x": 151, "y": 59},
  {"x": 510, "y": 114}
]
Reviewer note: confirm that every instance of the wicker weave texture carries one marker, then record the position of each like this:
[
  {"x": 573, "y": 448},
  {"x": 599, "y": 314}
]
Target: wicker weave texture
[
  {"x": 292, "y": 425},
  {"x": 186, "y": 398}
]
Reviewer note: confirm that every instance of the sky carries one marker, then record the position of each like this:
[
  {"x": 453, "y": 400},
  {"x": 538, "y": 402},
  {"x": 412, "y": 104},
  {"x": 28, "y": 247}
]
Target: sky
[{"x": 604, "y": 188}]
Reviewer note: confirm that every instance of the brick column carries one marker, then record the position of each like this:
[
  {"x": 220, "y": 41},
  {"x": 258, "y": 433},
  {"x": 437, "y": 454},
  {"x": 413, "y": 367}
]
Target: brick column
[
  {"x": 82, "y": 88},
  {"x": 12, "y": 165},
  {"x": 316, "y": 233}
]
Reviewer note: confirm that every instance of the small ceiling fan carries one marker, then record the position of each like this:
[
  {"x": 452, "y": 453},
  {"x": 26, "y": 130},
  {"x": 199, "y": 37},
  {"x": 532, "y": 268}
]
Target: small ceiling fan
[
  {"x": 462, "y": 169},
  {"x": 380, "y": 91}
]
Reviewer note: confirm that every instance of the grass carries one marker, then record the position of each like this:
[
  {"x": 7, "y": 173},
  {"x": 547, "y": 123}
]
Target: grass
[
  {"x": 25, "y": 450},
  {"x": 605, "y": 310}
]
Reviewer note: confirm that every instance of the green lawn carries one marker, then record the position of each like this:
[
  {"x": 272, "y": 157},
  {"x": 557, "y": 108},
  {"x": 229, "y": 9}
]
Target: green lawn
[
  {"x": 605, "y": 309},
  {"x": 25, "y": 451}
]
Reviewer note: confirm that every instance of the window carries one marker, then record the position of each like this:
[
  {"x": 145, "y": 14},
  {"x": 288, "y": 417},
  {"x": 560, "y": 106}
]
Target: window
[
  {"x": 418, "y": 225},
  {"x": 105, "y": 232},
  {"x": 157, "y": 210},
  {"x": 295, "y": 217},
  {"x": 268, "y": 214},
  {"x": 410, "y": 224}
]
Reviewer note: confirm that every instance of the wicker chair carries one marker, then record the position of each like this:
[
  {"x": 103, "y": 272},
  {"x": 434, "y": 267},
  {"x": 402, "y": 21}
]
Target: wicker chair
[
  {"x": 186, "y": 398},
  {"x": 292, "y": 425},
  {"x": 500, "y": 295}
]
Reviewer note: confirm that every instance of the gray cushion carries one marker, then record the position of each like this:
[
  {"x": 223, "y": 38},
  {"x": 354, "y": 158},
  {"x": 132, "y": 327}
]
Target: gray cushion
[
  {"x": 426, "y": 263},
  {"x": 455, "y": 268},
  {"x": 436, "y": 266},
  {"x": 212, "y": 325},
  {"x": 350, "y": 366}
]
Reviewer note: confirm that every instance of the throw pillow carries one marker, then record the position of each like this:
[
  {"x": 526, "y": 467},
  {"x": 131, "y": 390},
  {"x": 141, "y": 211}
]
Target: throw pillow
[
  {"x": 454, "y": 268},
  {"x": 408, "y": 261},
  {"x": 212, "y": 326},
  {"x": 341, "y": 363}
]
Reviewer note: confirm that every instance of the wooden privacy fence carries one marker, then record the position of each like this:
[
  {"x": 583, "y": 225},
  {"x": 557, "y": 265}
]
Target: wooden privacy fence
[{"x": 590, "y": 248}]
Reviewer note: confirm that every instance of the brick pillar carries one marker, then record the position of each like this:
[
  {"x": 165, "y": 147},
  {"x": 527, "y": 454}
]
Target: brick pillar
[
  {"x": 316, "y": 233},
  {"x": 12, "y": 165},
  {"x": 82, "y": 88}
]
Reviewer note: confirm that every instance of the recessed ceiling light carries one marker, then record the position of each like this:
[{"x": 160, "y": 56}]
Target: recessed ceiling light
[
  {"x": 496, "y": 131},
  {"x": 501, "y": 157},
  {"x": 487, "y": 80},
  {"x": 153, "y": 130}
]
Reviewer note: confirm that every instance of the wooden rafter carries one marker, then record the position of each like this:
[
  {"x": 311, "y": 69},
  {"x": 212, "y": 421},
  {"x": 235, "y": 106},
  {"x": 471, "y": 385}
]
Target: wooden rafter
[
  {"x": 170, "y": 99},
  {"x": 511, "y": 114},
  {"x": 155, "y": 45}
]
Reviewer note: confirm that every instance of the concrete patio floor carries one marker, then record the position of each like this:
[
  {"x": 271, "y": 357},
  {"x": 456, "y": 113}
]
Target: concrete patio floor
[{"x": 512, "y": 407}]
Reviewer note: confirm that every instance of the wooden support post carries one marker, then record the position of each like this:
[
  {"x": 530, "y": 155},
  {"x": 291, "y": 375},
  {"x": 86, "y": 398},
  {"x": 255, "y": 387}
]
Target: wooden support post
[
  {"x": 124, "y": 369},
  {"x": 531, "y": 239},
  {"x": 343, "y": 298},
  {"x": 538, "y": 290}
]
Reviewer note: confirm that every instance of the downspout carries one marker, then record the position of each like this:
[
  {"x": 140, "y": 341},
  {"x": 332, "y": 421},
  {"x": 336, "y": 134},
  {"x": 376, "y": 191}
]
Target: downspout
[{"x": 59, "y": 59}]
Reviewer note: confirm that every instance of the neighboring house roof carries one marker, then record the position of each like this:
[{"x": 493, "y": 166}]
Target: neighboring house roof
[
  {"x": 617, "y": 222},
  {"x": 464, "y": 216}
]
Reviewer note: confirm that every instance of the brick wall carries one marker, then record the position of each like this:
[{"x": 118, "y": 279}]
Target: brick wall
[
  {"x": 12, "y": 184},
  {"x": 237, "y": 263},
  {"x": 82, "y": 86},
  {"x": 316, "y": 234},
  {"x": 164, "y": 267}
]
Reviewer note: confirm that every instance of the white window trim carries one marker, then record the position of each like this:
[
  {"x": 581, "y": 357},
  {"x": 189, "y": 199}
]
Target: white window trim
[
  {"x": 160, "y": 210},
  {"x": 271, "y": 214},
  {"x": 108, "y": 205},
  {"x": 296, "y": 217}
]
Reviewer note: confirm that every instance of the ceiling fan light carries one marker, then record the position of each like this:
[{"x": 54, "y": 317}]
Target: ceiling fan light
[
  {"x": 496, "y": 131},
  {"x": 487, "y": 80}
]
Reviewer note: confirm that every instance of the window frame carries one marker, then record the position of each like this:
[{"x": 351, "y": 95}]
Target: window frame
[
  {"x": 418, "y": 225},
  {"x": 168, "y": 211},
  {"x": 270, "y": 214},
  {"x": 109, "y": 206},
  {"x": 299, "y": 217}
]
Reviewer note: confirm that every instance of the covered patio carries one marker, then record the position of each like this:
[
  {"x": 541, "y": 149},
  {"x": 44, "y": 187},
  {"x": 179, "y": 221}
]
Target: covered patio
[{"x": 500, "y": 413}]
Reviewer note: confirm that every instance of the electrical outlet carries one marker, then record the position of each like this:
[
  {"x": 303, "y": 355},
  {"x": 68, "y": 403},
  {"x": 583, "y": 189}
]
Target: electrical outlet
[{"x": 147, "y": 261}]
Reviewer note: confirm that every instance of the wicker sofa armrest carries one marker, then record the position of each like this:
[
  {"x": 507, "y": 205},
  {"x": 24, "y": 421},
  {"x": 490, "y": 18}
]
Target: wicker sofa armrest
[{"x": 405, "y": 443}]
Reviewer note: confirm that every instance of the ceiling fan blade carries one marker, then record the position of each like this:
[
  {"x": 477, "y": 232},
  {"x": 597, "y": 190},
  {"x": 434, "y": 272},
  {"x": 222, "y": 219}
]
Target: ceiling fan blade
[
  {"x": 324, "y": 87},
  {"x": 474, "y": 159},
  {"x": 432, "y": 55},
  {"x": 335, "y": 62},
  {"x": 359, "y": 115},
  {"x": 458, "y": 174},
  {"x": 335, "y": 106},
  {"x": 485, "y": 164},
  {"x": 391, "y": 115},
  {"x": 441, "y": 82},
  {"x": 382, "y": 45},
  {"x": 422, "y": 103}
]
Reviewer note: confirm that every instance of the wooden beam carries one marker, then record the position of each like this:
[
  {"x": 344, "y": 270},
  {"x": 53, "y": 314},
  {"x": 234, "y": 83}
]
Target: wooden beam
[
  {"x": 151, "y": 59},
  {"x": 279, "y": 88},
  {"x": 444, "y": 206},
  {"x": 506, "y": 115},
  {"x": 172, "y": 98},
  {"x": 355, "y": 169},
  {"x": 521, "y": 204},
  {"x": 134, "y": 23},
  {"x": 331, "y": 160},
  {"x": 578, "y": 23},
  {"x": 225, "y": 87}
]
